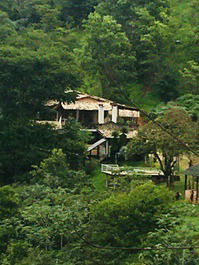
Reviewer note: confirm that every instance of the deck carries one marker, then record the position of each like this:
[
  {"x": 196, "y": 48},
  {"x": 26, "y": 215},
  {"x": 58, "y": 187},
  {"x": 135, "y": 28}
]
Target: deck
[{"x": 114, "y": 169}]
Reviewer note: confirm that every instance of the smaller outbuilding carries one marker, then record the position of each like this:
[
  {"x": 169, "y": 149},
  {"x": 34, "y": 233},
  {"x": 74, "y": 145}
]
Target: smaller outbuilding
[{"x": 192, "y": 184}]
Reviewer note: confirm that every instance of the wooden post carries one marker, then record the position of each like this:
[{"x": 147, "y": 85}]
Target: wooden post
[
  {"x": 106, "y": 181},
  {"x": 189, "y": 184},
  {"x": 77, "y": 115},
  {"x": 185, "y": 182},
  {"x": 101, "y": 114},
  {"x": 178, "y": 163},
  {"x": 107, "y": 148},
  {"x": 192, "y": 183},
  {"x": 60, "y": 122},
  {"x": 98, "y": 152},
  {"x": 114, "y": 113},
  {"x": 197, "y": 189}
]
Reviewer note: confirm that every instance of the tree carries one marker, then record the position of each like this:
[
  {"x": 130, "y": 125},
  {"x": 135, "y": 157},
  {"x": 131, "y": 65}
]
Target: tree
[
  {"x": 46, "y": 226},
  {"x": 178, "y": 228},
  {"x": 154, "y": 140},
  {"x": 33, "y": 70},
  {"x": 106, "y": 55},
  {"x": 73, "y": 12},
  {"x": 187, "y": 102},
  {"x": 190, "y": 75},
  {"x": 54, "y": 172},
  {"x": 8, "y": 202},
  {"x": 23, "y": 144},
  {"x": 9, "y": 208},
  {"x": 125, "y": 11},
  {"x": 73, "y": 142},
  {"x": 7, "y": 27},
  {"x": 38, "y": 14},
  {"x": 145, "y": 24},
  {"x": 9, "y": 7},
  {"x": 190, "y": 103},
  {"x": 123, "y": 220}
]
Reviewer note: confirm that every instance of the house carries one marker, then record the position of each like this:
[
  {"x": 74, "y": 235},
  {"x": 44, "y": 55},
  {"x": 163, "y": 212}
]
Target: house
[
  {"x": 100, "y": 116},
  {"x": 191, "y": 184}
]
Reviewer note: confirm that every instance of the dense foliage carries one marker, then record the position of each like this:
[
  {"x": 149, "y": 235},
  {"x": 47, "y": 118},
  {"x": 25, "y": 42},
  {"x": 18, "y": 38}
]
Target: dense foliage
[
  {"x": 55, "y": 207},
  {"x": 101, "y": 46},
  {"x": 167, "y": 144}
]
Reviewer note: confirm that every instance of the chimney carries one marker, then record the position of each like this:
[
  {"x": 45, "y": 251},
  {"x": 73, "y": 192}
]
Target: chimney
[
  {"x": 114, "y": 113},
  {"x": 101, "y": 114}
]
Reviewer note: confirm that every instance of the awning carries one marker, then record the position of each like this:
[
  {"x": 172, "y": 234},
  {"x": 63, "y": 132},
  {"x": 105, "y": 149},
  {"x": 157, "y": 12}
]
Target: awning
[
  {"x": 91, "y": 147},
  {"x": 194, "y": 171}
]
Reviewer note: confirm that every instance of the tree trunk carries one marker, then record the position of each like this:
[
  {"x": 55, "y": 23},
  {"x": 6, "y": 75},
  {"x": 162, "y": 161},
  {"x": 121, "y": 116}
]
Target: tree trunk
[
  {"x": 167, "y": 167},
  {"x": 169, "y": 171}
]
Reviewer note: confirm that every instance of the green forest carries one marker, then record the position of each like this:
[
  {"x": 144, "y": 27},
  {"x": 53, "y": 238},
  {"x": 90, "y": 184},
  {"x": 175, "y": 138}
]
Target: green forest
[{"x": 55, "y": 205}]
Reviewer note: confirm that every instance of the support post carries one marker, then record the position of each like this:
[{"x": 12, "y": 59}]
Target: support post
[
  {"x": 189, "y": 184},
  {"x": 114, "y": 113},
  {"x": 98, "y": 152},
  {"x": 107, "y": 148},
  {"x": 185, "y": 182},
  {"x": 106, "y": 181},
  {"x": 192, "y": 183},
  {"x": 77, "y": 115},
  {"x": 101, "y": 114},
  {"x": 60, "y": 122}
]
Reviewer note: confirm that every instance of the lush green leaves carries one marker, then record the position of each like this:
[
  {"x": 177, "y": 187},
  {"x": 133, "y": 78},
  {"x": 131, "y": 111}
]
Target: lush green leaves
[
  {"x": 8, "y": 202},
  {"x": 23, "y": 144},
  {"x": 156, "y": 140},
  {"x": 32, "y": 73},
  {"x": 106, "y": 54}
]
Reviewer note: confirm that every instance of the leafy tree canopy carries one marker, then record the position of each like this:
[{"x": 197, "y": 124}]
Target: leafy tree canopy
[
  {"x": 154, "y": 140},
  {"x": 106, "y": 54},
  {"x": 32, "y": 73}
]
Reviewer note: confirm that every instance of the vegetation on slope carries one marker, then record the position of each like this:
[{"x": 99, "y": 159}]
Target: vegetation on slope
[{"x": 54, "y": 205}]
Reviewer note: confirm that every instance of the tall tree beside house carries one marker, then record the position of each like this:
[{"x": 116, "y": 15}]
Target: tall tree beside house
[
  {"x": 33, "y": 69},
  {"x": 73, "y": 142},
  {"x": 154, "y": 140},
  {"x": 23, "y": 144}
]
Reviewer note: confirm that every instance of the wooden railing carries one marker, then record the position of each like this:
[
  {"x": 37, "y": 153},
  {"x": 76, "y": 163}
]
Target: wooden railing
[
  {"x": 114, "y": 168},
  {"x": 109, "y": 168}
]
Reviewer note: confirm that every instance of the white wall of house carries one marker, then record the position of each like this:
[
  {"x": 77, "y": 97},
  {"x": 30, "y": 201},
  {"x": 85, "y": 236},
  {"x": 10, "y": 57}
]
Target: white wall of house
[
  {"x": 101, "y": 114},
  {"x": 114, "y": 113}
]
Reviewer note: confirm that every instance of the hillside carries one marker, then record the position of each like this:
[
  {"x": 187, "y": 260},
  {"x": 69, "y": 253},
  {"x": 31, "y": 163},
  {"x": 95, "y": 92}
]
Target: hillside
[
  {"x": 148, "y": 51},
  {"x": 99, "y": 118}
]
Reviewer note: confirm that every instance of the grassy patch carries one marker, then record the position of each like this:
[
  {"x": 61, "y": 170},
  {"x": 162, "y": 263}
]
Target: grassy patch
[{"x": 99, "y": 180}]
